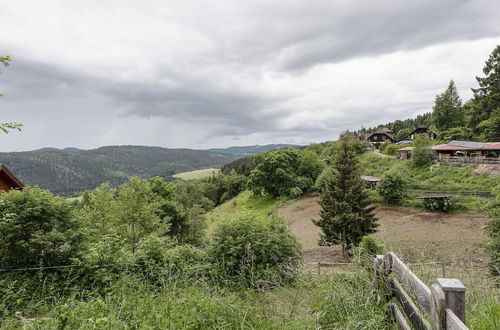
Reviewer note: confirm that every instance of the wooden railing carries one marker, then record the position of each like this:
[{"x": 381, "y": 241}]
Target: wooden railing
[
  {"x": 441, "y": 307},
  {"x": 467, "y": 159}
]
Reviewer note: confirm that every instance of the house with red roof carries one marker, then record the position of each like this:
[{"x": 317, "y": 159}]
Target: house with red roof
[{"x": 463, "y": 150}]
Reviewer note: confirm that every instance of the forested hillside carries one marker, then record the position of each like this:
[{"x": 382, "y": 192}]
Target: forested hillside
[{"x": 69, "y": 172}]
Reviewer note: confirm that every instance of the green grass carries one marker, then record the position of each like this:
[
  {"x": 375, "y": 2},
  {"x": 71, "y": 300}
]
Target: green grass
[
  {"x": 197, "y": 175},
  {"x": 260, "y": 207},
  {"x": 313, "y": 302}
]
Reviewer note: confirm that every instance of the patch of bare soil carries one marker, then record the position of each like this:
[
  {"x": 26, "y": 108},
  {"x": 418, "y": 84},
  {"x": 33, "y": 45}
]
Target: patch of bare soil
[
  {"x": 491, "y": 169},
  {"x": 413, "y": 234}
]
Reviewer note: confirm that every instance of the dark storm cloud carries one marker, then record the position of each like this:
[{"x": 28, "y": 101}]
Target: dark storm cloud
[
  {"x": 387, "y": 26},
  {"x": 240, "y": 68}
]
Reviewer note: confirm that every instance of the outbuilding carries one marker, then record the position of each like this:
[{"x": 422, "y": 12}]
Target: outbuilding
[{"x": 8, "y": 181}]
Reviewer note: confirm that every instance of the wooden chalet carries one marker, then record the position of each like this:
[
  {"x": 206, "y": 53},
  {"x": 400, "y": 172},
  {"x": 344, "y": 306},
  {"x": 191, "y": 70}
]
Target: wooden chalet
[
  {"x": 420, "y": 130},
  {"x": 380, "y": 136},
  {"x": 8, "y": 181}
]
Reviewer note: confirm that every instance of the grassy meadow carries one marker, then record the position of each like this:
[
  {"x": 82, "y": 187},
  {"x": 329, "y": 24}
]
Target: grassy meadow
[{"x": 197, "y": 175}]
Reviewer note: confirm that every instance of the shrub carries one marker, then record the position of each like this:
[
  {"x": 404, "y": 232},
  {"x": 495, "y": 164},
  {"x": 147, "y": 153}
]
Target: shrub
[
  {"x": 422, "y": 155},
  {"x": 37, "y": 229},
  {"x": 295, "y": 192},
  {"x": 445, "y": 204},
  {"x": 367, "y": 249},
  {"x": 391, "y": 149},
  {"x": 254, "y": 253},
  {"x": 392, "y": 187},
  {"x": 492, "y": 228}
]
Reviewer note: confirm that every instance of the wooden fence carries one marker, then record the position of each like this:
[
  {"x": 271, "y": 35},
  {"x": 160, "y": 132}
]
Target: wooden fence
[
  {"x": 440, "y": 307},
  {"x": 467, "y": 160}
]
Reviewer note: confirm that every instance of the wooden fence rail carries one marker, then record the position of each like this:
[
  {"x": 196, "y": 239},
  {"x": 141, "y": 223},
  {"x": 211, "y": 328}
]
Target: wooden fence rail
[{"x": 441, "y": 307}]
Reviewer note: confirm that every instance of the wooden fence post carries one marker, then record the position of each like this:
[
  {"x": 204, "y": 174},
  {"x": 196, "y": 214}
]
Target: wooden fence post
[
  {"x": 454, "y": 293},
  {"x": 438, "y": 307},
  {"x": 377, "y": 263}
]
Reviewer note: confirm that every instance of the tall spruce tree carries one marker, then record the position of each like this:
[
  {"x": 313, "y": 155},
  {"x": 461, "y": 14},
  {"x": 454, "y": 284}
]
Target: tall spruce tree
[
  {"x": 485, "y": 116},
  {"x": 345, "y": 212},
  {"x": 447, "y": 111}
]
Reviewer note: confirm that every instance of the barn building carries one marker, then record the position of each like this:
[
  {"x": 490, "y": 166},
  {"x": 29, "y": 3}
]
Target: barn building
[
  {"x": 8, "y": 181},
  {"x": 463, "y": 150}
]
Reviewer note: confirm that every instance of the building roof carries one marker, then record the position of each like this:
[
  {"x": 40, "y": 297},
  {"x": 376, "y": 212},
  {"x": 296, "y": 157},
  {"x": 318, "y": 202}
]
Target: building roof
[
  {"x": 447, "y": 147},
  {"x": 460, "y": 145},
  {"x": 379, "y": 132},
  {"x": 421, "y": 127},
  {"x": 468, "y": 144},
  {"x": 405, "y": 149},
  {"x": 384, "y": 130},
  {"x": 492, "y": 146},
  {"x": 4, "y": 171},
  {"x": 370, "y": 178}
]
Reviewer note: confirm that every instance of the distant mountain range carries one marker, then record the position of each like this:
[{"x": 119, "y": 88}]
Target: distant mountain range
[
  {"x": 251, "y": 150},
  {"x": 70, "y": 171}
]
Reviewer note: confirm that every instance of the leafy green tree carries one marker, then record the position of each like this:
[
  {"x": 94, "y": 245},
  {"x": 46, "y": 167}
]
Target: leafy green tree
[
  {"x": 345, "y": 212},
  {"x": 6, "y": 127},
  {"x": 491, "y": 127},
  {"x": 455, "y": 133},
  {"x": 422, "y": 154},
  {"x": 447, "y": 110},
  {"x": 37, "y": 229},
  {"x": 392, "y": 187},
  {"x": 487, "y": 97},
  {"x": 403, "y": 134},
  {"x": 275, "y": 172}
]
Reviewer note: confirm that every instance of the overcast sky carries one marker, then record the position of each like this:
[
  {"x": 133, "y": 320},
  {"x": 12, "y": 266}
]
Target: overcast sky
[{"x": 215, "y": 73}]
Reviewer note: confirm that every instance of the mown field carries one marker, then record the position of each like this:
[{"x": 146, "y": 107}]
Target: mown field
[{"x": 197, "y": 175}]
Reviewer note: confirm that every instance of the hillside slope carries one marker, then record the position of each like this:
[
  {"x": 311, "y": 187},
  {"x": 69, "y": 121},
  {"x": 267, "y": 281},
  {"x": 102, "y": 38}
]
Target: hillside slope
[{"x": 68, "y": 172}]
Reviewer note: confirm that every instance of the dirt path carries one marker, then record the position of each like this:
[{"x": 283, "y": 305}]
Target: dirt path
[{"x": 414, "y": 234}]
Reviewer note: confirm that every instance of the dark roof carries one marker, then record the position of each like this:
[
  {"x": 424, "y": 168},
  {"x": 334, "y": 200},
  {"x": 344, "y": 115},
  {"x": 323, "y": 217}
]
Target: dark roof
[
  {"x": 468, "y": 144},
  {"x": 379, "y": 132},
  {"x": 15, "y": 181},
  {"x": 421, "y": 127}
]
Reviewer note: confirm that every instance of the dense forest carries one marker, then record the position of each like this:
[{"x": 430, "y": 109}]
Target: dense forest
[{"x": 72, "y": 172}]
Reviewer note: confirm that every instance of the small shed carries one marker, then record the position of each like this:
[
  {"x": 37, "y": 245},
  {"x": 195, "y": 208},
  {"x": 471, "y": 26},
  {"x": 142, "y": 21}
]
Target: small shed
[
  {"x": 8, "y": 181},
  {"x": 371, "y": 180}
]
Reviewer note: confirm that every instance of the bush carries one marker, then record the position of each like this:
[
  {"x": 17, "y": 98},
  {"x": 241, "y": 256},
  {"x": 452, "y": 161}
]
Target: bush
[
  {"x": 253, "y": 253},
  {"x": 445, "y": 204},
  {"x": 37, "y": 229},
  {"x": 392, "y": 187},
  {"x": 367, "y": 249},
  {"x": 492, "y": 228},
  {"x": 422, "y": 155},
  {"x": 391, "y": 149}
]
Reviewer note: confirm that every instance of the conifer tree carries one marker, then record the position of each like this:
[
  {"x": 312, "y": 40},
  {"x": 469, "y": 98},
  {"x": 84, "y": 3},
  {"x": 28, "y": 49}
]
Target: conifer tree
[
  {"x": 345, "y": 212},
  {"x": 447, "y": 111},
  {"x": 485, "y": 114}
]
